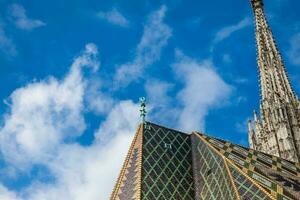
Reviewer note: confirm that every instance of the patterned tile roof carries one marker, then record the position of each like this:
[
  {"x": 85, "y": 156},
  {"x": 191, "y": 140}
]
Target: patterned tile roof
[
  {"x": 279, "y": 177},
  {"x": 167, "y": 164}
]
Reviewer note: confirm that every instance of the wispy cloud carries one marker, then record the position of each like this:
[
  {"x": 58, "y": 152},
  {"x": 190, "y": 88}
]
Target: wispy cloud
[
  {"x": 229, "y": 30},
  {"x": 157, "y": 92},
  {"x": 98, "y": 101},
  {"x": 203, "y": 89},
  {"x": 186, "y": 107},
  {"x": 161, "y": 104},
  {"x": 7, "y": 46},
  {"x": 294, "y": 51},
  {"x": 18, "y": 15},
  {"x": 155, "y": 37},
  {"x": 242, "y": 127},
  {"x": 114, "y": 16}
]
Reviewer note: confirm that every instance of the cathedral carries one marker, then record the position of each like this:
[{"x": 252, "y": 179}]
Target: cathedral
[
  {"x": 277, "y": 131},
  {"x": 167, "y": 164}
]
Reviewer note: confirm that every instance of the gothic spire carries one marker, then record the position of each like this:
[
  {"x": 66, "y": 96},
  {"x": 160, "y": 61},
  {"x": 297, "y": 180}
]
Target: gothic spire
[
  {"x": 274, "y": 81},
  {"x": 277, "y": 130}
]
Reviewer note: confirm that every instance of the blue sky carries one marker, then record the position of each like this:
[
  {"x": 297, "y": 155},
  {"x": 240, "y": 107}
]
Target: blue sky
[{"x": 72, "y": 72}]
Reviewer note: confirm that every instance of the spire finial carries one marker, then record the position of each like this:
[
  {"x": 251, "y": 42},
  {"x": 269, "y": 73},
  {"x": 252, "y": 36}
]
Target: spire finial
[
  {"x": 257, "y": 4},
  {"x": 249, "y": 126},
  {"x": 143, "y": 109},
  {"x": 255, "y": 116}
]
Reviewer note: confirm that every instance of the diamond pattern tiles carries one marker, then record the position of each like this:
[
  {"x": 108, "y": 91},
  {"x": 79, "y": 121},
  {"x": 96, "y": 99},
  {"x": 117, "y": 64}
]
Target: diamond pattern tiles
[
  {"x": 244, "y": 187},
  {"x": 278, "y": 177},
  {"x": 247, "y": 190},
  {"x": 212, "y": 180},
  {"x": 128, "y": 183},
  {"x": 167, "y": 165}
]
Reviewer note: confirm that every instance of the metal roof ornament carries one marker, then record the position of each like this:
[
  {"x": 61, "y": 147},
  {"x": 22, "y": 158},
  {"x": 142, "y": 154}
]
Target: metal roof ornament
[{"x": 143, "y": 111}]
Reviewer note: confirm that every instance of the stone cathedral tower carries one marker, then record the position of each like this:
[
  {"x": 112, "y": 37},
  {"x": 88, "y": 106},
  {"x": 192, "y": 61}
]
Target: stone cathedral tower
[{"x": 277, "y": 131}]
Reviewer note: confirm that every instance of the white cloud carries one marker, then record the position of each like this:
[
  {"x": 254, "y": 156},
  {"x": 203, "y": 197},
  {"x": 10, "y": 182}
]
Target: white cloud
[
  {"x": 229, "y": 30},
  {"x": 7, "y": 46},
  {"x": 242, "y": 127},
  {"x": 97, "y": 100},
  {"x": 5, "y": 194},
  {"x": 155, "y": 37},
  {"x": 124, "y": 110},
  {"x": 43, "y": 115},
  {"x": 160, "y": 104},
  {"x": 114, "y": 17},
  {"x": 294, "y": 51},
  {"x": 157, "y": 92},
  {"x": 203, "y": 89},
  {"x": 18, "y": 14},
  {"x": 90, "y": 172}
]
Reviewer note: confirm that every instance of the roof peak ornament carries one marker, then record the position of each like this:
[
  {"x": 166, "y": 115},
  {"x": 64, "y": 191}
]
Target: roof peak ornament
[{"x": 143, "y": 111}]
